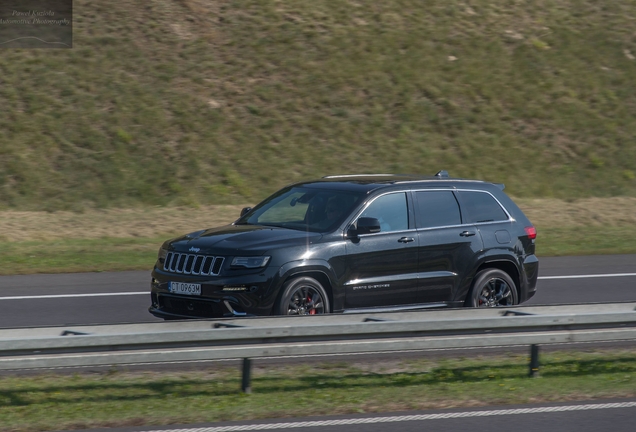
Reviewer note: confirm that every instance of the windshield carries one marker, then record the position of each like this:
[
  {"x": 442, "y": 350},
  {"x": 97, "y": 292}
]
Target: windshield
[{"x": 302, "y": 208}]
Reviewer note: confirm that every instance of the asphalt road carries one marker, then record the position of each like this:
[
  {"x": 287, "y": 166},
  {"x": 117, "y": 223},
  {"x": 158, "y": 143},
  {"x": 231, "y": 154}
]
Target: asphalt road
[
  {"x": 92, "y": 298},
  {"x": 617, "y": 416},
  {"x": 100, "y": 298}
]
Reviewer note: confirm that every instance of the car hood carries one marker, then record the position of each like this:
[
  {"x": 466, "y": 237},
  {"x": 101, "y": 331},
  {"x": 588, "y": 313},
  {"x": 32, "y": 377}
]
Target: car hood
[{"x": 233, "y": 239}]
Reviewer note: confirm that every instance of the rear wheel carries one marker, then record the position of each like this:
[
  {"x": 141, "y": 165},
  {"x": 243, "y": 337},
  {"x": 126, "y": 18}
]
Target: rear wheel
[
  {"x": 303, "y": 296},
  {"x": 492, "y": 288}
]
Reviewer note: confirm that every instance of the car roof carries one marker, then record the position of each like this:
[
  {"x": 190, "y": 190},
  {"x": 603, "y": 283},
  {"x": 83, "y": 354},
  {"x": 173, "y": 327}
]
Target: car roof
[{"x": 370, "y": 182}]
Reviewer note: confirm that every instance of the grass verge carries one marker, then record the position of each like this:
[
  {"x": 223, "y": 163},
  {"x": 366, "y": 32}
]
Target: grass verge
[
  {"x": 79, "y": 255},
  {"x": 586, "y": 240},
  {"x": 113, "y": 399},
  {"x": 128, "y": 239},
  {"x": 120, "y": 254}
]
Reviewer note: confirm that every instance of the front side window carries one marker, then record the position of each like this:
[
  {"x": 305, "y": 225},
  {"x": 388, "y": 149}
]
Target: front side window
[
  {"x": 436, "y": 209},
  {"x": 391, "y": 210},
  {"x": 480, "y": 207},
  {"x": 303, "y": 208}
]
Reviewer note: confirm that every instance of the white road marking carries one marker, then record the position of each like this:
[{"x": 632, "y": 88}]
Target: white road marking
[
  {"x": 588, "y": 276},
  {"x": 114, "y": 294},
  {"x": 74, "y": 295},
  {"x": 396, "y": 419}
]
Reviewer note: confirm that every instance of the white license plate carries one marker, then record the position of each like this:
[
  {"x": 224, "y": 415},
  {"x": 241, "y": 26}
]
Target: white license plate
[{"x": 184, "y": 288}]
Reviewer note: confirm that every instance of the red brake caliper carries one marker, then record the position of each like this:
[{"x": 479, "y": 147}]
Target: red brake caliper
[{"x": 312, "y": 311}]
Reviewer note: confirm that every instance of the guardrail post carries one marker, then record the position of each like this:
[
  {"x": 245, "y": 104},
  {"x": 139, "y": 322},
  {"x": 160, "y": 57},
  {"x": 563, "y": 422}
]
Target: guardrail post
[
  {"x": 534, "y": 360},
  {"x": 246, "y": 385}
]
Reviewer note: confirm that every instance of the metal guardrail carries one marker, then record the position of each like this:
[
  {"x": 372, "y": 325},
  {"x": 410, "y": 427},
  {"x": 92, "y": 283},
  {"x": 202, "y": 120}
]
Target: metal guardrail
[{"x": 249, "y": 338}]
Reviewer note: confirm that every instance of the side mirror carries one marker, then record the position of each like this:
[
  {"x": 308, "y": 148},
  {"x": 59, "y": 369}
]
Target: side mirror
[
  {"x": 245, "y": 210},
  {"x": 367, "y": 225}
]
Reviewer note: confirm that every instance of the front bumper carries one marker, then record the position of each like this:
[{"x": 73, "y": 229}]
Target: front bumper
[
  {"x": 239, "y": 295},
  {"x": 174, "y": 307},
  {"x": 182, "y": 307}
]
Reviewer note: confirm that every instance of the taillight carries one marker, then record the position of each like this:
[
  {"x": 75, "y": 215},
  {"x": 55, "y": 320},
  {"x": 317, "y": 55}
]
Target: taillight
[{"x": 531, "y": 232}]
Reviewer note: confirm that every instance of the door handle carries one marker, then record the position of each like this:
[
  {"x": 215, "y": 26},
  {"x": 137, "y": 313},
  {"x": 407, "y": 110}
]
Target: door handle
[
  {"x": 406, "y": 239},
  {"x": 467, "y": 233}
]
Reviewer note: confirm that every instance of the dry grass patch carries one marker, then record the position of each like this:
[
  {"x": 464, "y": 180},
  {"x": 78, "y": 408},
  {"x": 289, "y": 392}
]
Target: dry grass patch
[
  {"x": 19, "y": 226},
  {"x": 553, "y": 213}
]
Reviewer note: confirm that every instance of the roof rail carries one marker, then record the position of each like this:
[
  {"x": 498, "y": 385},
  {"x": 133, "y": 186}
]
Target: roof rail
[
  {"x": 442, "y": 174},
  {"x": 358, "y": 175}
]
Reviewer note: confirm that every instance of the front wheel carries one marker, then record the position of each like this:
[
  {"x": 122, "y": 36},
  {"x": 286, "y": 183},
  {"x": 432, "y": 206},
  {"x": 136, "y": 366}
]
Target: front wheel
[
  {"x": 492, "y": 288},
  {"x": 303, "y": 296}
]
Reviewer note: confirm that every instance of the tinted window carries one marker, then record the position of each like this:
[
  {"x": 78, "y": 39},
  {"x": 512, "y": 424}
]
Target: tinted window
[
  {"x": 303, "y": 208},
  {"x": 480, "y": 207},
  {"x": 391, "y": 210},
  {"x": 436, "y": 208}
]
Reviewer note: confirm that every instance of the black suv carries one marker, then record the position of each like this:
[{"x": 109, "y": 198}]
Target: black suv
[{"x": 354, "y": 243}]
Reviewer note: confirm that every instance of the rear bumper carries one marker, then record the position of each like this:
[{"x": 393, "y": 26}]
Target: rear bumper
[{"x": 529, "y": 278}]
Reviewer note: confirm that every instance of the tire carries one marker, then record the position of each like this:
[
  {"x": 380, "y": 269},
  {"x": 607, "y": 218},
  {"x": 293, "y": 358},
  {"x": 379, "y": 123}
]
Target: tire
[
  {"x": 303, "y": 296},
  {"x": 492, "y": 288}
]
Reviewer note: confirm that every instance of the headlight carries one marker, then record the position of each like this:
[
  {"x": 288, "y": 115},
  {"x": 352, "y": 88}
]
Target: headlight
[
  {"x": 250, "y": 262},
  {"x": 161, "y": 256}
]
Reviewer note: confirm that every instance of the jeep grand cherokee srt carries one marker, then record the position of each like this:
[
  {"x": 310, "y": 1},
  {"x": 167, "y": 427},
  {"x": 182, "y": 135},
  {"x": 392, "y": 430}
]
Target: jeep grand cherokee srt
[{"x": 354, "y": 243}]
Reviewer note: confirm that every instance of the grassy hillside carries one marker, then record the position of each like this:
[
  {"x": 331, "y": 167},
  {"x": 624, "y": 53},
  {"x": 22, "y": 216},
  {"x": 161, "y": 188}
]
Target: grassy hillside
[{"x": 196, "y": 102}]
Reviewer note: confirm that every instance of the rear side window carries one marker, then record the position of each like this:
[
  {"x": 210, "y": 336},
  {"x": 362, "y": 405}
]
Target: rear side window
[
  {"x": 436, "y": 209},
  {"x": 480, "y": 207}
]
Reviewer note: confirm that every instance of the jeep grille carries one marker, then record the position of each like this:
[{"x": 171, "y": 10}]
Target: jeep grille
[{"x": 193, "y": 264}]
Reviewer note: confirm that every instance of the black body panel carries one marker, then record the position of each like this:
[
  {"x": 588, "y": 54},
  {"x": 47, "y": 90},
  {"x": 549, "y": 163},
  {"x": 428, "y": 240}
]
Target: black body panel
[{"x": 435, "y": 235}]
